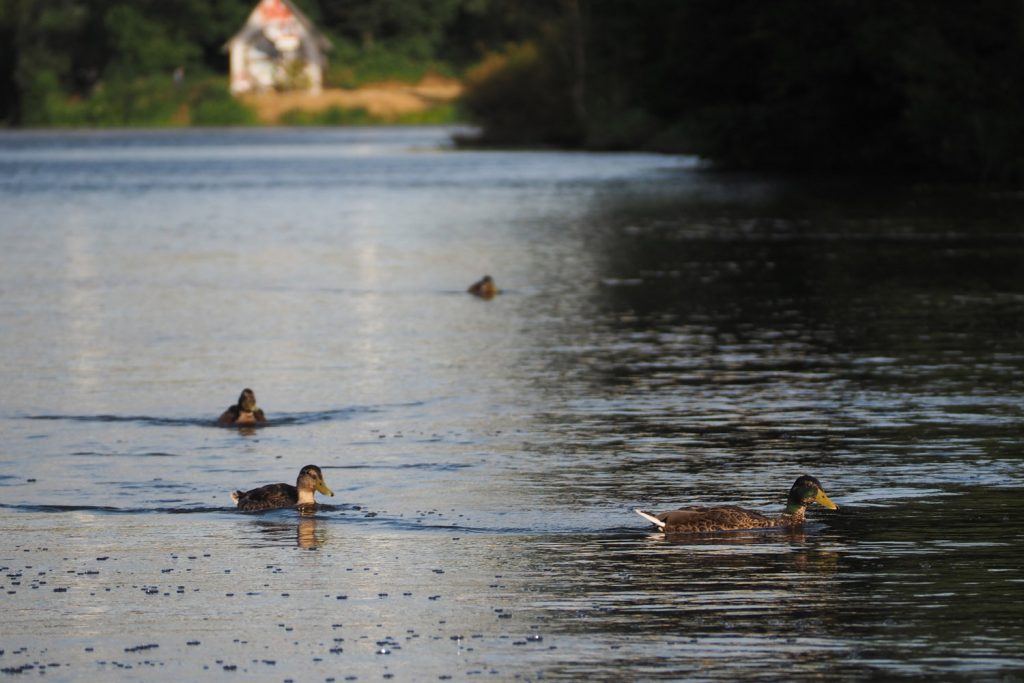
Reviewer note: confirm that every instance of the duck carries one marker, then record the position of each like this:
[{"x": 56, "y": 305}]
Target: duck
[
  {"x": 484, "y": 288},
  {"x": 688, "y": 520},
  {"x": 244, "y": 412},
  {"x": 274, "y": 496}
]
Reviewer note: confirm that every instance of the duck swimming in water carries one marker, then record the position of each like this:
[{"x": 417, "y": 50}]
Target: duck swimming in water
[
  {"x": 688, "y": 520},
  {"x": 273, "y": 496},
  {"x": 484, "y": 288},
  {"x": 244, "y": 412}
]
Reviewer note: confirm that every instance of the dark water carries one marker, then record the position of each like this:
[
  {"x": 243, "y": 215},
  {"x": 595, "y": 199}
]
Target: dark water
[{"x": 665, "y": 336}]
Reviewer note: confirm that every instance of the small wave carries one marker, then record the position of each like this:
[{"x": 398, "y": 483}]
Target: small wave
[
  {"x": 318, "y": 513},
  {"x": 145, "y": 454},
  {"x": 437, "y": 466},
  {"x": 424, "y": 525},
  {"x": 190, "y": 510},
  {"x": 108, "y": 509},
  {"x": 404, "y": 524},
  {"x": 144, "y": 419},
  {"x": 274, "y": 420},
  {"x": 322, "y": 415}
]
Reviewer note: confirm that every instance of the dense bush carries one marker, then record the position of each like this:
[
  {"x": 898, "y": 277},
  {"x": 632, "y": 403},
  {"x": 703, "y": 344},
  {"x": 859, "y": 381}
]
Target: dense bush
[
  {"x": 210, "y": 104},
  {"x": 352, "y": 66},
  {"x": 358, "y": 116},
  {"x": 520, "y": 99},
  {"x": 930, "y": 88},
  {"x": 136, "y": 102}
]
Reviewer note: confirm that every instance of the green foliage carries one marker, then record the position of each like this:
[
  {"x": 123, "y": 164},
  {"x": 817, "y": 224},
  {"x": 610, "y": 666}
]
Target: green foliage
[
  {"x": 131, "y": 102},
  {"x": 43, "y": 100},
  {"x": 74, "y": 62},
  {"x": 351, "y": 66},
  {"x": 910, "y": 87},
  {"x": 338, "y": 116},
  {"x": 210, "y": 104},
  {"x": 415, "y": 27},
  {"x": 154, "y": 101},
  {"x": 520, "y": 99},
  {"x": 332, "y": 116},
  {"x": 965, "y": 89},
  {"x": 620, "y": 129},
  {"x": 441, "y": 115},
  {"x": 141, "y": 45}
]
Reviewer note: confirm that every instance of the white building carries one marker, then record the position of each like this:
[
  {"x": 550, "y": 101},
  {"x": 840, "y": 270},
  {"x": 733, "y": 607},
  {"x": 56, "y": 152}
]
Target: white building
[{"x": 278, "y": 48}]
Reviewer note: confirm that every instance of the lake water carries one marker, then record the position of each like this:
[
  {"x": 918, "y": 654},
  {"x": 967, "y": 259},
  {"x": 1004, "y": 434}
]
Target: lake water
[{"x": 665, "y": 336}]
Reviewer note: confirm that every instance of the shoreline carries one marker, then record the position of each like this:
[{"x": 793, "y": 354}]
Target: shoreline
[{"x": 383, "y": 102}]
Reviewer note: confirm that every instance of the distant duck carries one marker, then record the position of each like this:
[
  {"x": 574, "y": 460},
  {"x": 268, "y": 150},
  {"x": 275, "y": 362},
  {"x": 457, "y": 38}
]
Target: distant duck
[
  {"x": 274, "y": 496},
  {"x": 244, "y": 412},
  {"x": 484, "y": 288},
  {"x": 806, "y": 490}
]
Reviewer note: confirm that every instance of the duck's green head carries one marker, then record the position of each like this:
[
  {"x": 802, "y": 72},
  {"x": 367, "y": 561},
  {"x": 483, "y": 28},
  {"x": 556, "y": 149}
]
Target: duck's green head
[
  {"x": 247, "y": 401},
  {"x": 807, "y": 490},
  {"x": 312, "y": 479}
]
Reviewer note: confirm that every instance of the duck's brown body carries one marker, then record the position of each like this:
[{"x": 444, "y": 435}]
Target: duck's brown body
[
  {"x": 700, "y": 519},
  {"x": 273, "y": 496},
  {"x": 267, "y": 497},
  {"x": 244, "y": 412},
  {"x": 484, "y": 288},
  {"x": 695, "y": 519}
]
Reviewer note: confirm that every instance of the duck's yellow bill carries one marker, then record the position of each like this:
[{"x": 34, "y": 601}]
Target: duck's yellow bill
[
  {"x": 322, "y": 488},
  {"x": 822, "y": 499}
]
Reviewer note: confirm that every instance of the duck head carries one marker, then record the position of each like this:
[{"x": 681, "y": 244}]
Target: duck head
[
  {"x": 807, "y": 490},
  {"x": 247, "y": 401},
  {"x": 312, "y": 479}
]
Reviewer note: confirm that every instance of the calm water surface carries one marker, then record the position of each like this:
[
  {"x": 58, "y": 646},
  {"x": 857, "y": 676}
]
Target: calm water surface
[{"x": 665, "y": 336}]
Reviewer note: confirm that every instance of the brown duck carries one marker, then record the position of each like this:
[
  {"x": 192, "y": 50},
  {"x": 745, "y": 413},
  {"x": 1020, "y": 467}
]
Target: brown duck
[
  {"x": 806, "y": 490},
  {"x": 273, "y": 496},
  {"x": 244, "y": 412},
  {"x": 484, "y": 288}
]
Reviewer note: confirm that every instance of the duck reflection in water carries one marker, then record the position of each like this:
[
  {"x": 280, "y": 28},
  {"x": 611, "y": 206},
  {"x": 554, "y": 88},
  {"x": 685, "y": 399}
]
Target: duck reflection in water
[
  {"x": 745, "y": 548},
  {"x": 245, "y": 412},
  {"x": 691, "y": 520},
  {"x": 305, "y": 533},
  {"x": 738, "y": 537}
]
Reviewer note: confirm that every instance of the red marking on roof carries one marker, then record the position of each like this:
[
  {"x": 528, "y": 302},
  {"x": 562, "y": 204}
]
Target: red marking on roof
[{"x": 274, "y": 10}]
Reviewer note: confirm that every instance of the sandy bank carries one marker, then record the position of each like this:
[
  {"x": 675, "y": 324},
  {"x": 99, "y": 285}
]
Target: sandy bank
[{"x": 384, "y": 100}]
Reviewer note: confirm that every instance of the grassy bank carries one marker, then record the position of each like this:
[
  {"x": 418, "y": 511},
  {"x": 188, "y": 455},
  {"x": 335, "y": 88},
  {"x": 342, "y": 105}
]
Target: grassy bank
[
  {"x": 156, "y": 101},
  {"x": 160, "y": 102},
  {"x": 360, "y": 116}
]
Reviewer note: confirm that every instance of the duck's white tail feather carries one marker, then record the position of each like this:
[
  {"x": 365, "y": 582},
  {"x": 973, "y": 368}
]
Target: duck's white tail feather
[{"x": 650, "y": 518}]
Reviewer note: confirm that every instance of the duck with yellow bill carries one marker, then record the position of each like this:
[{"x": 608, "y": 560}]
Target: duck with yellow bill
[
  {"x": 274, "y": 496},
  {"x": 695, "y": 519}
]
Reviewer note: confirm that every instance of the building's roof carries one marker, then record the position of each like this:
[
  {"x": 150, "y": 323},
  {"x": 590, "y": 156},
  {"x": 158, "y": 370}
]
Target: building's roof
[{"x": 254, "y": 23}]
